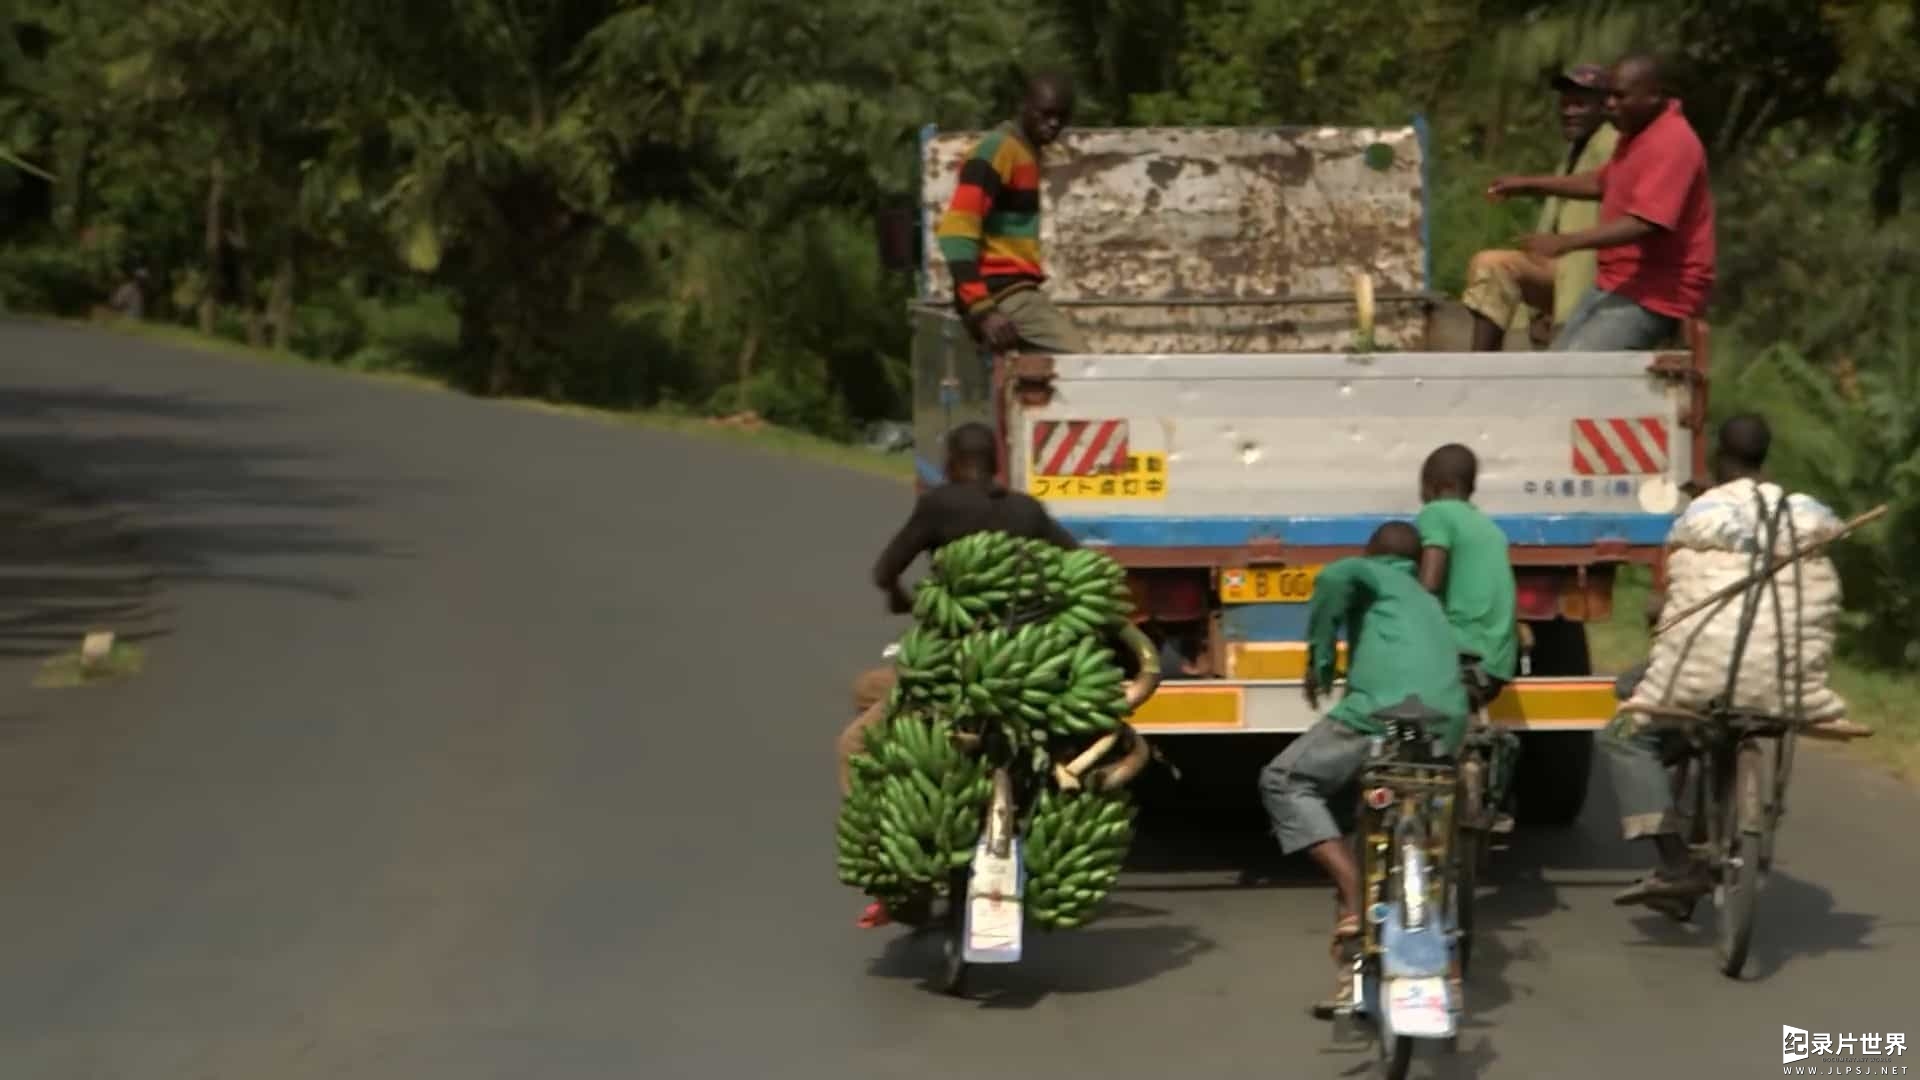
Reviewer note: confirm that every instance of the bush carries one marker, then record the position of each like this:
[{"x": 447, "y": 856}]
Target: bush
[
  {"x": 1852, "y": 439},
  {"x": 414, "y": 333},
  {"x": 52, "y": 279}
]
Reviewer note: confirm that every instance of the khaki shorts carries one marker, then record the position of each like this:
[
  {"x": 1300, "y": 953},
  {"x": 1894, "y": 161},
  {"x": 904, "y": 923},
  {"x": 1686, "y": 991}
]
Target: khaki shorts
[
  {"x": 1502, "y": 285},
  {"x": 1041, "y": 325}
]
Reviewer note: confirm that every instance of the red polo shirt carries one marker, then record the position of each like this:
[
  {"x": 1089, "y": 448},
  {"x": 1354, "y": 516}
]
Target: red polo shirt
[{"x": 1660, "y": 176}]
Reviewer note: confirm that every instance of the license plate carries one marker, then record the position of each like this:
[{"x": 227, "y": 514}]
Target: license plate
[
  {"x": 1268, "y": 585},
  {"x": 1419, "y": 1007}
]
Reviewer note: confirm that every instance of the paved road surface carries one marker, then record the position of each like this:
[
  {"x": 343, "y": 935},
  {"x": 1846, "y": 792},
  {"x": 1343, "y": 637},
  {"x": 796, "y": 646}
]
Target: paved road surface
[{"x": 477, "y": 741}]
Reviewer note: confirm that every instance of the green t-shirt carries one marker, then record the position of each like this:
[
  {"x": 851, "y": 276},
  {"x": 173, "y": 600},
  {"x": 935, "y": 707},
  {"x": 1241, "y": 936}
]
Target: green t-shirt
[
  {"x": 1398, "y": 643},
  {"x": 1479, "y": 593}
]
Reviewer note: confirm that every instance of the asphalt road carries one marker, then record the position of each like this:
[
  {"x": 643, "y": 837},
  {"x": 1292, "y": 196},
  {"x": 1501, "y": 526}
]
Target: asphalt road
[{"x": 478, "y": 741}]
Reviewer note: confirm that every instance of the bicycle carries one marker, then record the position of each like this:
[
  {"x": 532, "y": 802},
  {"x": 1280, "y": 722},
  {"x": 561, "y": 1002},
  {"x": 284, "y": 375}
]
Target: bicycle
[
  {"x": 1405, "y": 971},
  {"x": 983, "y": 921},
  {"x": 1730, "y": 794}
]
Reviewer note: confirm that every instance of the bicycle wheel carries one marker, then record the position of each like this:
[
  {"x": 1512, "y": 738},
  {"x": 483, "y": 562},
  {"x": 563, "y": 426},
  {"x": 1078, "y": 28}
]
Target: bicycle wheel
[
  {"x": 953, "y": 943},
  {"x": 1737, "y": 893},
  {"x": 1466, "y": 880},
  {"x": 1469, "y": 844},
  {"x": 1396, "y": 1056}
]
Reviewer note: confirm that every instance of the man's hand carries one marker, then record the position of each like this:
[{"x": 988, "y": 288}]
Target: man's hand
[
  {"x": 1543, "y": 245},
  {"x": 998, "y": 331},
  {"x": 1312, "y": 687},
  {"x": 1506, "y": 187},
  {"x": 898, "y": 602}
]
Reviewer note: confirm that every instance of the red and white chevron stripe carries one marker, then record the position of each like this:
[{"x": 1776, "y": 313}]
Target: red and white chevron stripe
[
  {"x": 1079, "y": 447},
  {"x": 1620, "y": 446}
]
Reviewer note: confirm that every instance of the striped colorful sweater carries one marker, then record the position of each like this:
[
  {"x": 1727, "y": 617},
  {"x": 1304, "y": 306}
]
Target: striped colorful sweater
[{"x": 990, "y": 234}]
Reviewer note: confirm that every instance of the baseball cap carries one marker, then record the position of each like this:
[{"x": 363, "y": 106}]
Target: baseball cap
[{"x": 1589, "y": 77}]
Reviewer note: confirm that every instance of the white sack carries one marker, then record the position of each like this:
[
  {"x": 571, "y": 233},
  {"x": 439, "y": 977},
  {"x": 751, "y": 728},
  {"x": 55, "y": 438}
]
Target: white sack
[{"x": 1711, "y": 547}]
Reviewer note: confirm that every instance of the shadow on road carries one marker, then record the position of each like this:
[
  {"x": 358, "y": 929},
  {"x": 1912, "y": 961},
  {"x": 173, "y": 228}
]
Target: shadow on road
[
  {"x": 1099, "y": 957},
  {"x": 95, "y": 514},
  {"x": 1796, "y": 920}
]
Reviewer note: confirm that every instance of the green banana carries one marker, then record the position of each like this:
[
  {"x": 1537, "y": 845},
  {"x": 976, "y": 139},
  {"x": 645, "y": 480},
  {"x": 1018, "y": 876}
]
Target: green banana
[{"x": 1045, "y": 686}]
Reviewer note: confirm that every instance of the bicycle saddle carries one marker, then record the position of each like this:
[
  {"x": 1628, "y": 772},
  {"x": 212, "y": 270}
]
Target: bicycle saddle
[{"x": 1411, "y": 713}]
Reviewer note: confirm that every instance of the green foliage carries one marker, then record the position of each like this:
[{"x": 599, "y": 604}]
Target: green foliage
[
  {"x": 1852, "y": 437},
  {"x": 60, "y": 280}
]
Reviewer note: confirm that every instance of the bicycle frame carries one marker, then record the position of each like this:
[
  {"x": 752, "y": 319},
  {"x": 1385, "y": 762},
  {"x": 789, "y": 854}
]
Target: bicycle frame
[
  {"x": 1729, "y": 812},
  {"x": 1406, "y": 831},
  {"x": 1704, "y": 759}
]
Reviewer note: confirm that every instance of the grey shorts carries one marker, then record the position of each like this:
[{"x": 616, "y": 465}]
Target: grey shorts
[{"x": 1296, "y": 785}]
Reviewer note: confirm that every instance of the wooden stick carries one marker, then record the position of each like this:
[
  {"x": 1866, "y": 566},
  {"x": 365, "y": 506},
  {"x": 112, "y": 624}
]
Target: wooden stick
[
  {"x": 1068, "y": 776},
  {"x": 1721, "y": 594}
]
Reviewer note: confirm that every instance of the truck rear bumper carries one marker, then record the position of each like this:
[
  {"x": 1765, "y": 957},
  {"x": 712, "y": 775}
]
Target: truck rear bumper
[{"x": 1246, "y": 706}]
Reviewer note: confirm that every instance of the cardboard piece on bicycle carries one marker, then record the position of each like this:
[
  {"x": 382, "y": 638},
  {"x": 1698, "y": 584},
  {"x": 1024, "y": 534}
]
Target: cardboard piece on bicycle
[{"x": 995, "y": 916}]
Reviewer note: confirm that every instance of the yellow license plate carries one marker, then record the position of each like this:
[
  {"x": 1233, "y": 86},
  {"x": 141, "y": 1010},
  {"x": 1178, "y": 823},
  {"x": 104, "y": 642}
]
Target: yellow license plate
[{"x": 1268, "y": 585}]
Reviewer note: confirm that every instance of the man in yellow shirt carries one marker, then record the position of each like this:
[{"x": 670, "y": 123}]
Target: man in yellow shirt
[{"x": 1505, "y": 285}]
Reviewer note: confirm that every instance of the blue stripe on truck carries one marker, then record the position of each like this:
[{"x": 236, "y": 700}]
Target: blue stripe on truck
[{"x": 1531, "y": 530}]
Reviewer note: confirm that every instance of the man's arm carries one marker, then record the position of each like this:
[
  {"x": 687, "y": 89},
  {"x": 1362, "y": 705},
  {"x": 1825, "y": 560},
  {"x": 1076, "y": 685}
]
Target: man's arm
[
  {"x": 1436, "y": 543},
  {"x": 961, "y": 228},
  {"x": 1334, "y": 591},
  {"x": 1627, "y": 230},
  {"x": 1056, "y": 533},
  {"x": 1585, "y": 185},
  {"x": 914, "y": 537}
]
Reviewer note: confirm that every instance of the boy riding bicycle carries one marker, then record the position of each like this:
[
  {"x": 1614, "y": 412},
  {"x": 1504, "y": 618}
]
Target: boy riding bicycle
[{"x": 1399, "y": 645}]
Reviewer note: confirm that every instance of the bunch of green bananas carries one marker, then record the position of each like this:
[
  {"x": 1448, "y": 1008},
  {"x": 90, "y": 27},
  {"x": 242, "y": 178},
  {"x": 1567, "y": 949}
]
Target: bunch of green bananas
[
  {"x": 926, "y": 671},
  {"x": 984, "y": 577},
  {"x": 1094, "y": 594},
  {"x": 1010, "y": 636},
  {"x": 1075, "y": 843},
  {"x": 915, "y": 809}
]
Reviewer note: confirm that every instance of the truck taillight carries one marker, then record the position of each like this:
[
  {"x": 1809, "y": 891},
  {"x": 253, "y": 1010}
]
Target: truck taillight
[
  {"x": 1170, "y": 595},
  {"x": 1537, "y": 597}
]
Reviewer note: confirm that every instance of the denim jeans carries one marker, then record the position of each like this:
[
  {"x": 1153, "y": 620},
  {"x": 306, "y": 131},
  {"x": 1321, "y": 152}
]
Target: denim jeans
[{"x": 1609, "y": 322}]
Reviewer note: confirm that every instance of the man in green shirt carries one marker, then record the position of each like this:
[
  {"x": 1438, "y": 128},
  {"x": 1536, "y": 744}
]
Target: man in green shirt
[
  {"x": 1399, "y": 645},
  {"x": 1464, "y": 561}
]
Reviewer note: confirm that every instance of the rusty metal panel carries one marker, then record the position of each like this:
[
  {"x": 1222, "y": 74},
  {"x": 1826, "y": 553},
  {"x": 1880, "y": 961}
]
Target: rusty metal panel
[
  {"x": 1212, "y": 213},
  {"x": 1315, "y": 326},
  {"x": 1308, "y": 326}
]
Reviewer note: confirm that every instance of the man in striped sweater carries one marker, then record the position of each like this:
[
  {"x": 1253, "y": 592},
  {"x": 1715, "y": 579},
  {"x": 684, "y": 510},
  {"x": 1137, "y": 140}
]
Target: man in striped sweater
[{"x": 990, "y": 234}]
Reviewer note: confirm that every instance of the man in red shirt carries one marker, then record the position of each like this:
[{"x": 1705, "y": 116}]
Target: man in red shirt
[{"x": 1654, "y": 244}]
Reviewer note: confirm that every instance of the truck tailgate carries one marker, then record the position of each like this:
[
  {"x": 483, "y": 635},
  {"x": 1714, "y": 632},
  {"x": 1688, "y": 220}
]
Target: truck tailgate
[{"x": 1316, "y": 448}]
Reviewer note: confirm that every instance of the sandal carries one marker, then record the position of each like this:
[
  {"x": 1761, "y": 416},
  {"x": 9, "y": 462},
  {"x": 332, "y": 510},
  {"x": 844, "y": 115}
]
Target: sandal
[
  {"x": 1345, "y": 929},
  {"x": 1658, "y": 888}
]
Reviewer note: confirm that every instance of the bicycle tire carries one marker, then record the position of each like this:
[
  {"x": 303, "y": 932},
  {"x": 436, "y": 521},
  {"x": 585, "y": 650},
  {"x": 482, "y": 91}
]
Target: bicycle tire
[
  {"x": 1737, "y": 895},
  {"x": 1469, "y": 845},
  {"x": 1397, "y": 1061},
  {"x": 1466, "y": 880},
  {"x": 953, "y": 943}
]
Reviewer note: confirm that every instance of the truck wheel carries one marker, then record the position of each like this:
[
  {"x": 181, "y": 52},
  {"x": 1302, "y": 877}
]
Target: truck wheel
[{"x": 1550, "y": 779}]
